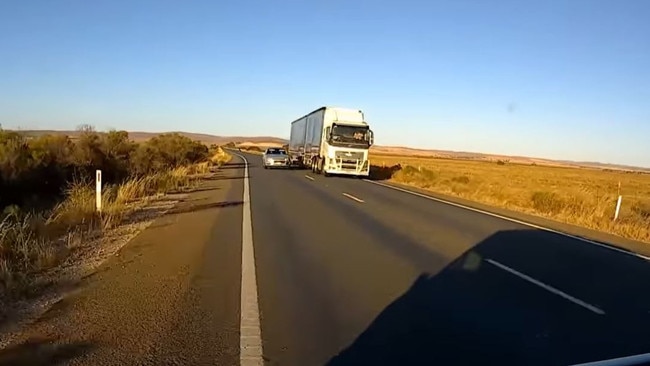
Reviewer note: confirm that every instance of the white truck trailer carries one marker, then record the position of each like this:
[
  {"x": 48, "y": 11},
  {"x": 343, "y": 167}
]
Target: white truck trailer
[{"x": 331, "y": 140}]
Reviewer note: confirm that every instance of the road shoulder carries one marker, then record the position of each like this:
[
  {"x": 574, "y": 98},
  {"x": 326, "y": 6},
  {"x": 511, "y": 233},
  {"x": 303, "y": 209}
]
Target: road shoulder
[{"x": 133, "y": 307}]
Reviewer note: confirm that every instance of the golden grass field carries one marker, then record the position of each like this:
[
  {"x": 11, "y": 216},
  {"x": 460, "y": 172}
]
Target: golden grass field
[{"x": 580, "y": 196}]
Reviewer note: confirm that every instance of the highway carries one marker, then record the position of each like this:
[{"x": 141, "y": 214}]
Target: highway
[{"x": 347, "y": 272}]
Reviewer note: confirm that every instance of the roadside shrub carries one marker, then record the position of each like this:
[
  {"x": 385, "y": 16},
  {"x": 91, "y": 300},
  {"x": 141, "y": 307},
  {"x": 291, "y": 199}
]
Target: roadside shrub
[
  {"x": 253, "y": 148},
  {"x": 547, "y": 202},
  {"x": 383, "y": 173},
  {"x": 418, "y": 173},
  {"x": 23, "y": 250},
  {"x": 167, "y": 151},
  {"x": 461, "y": 179},
  {"x": 422, "y": 177},
  {"x": 642, "y": 209},
  {"x": 220, "y": 157}
]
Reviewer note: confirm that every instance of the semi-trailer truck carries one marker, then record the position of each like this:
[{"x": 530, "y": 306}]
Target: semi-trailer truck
[{"x": 332, "y": 140}]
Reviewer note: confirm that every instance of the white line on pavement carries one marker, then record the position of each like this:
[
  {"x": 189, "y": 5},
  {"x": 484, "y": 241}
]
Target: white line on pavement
[
  {"x": 250, "y": 339},
  {"x": 621, "y": 361},
  {"x": 641, "y": 256},
  {"x": 353, "y": 198},
  {"x": 308, "y": 177},
  {"x": 546, "y": 287}
]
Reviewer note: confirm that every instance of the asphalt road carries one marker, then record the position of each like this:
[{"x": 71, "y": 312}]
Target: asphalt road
[
  {"x": 351, "y": 273},
  {"x": 348, "y": 273}
]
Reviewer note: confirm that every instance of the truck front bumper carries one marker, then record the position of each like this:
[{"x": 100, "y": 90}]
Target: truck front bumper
[{"x": 358, "y": 168}]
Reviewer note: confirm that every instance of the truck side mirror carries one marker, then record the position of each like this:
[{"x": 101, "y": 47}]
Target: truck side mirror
[
  {"x": 371, "y": 138},
  {"x": 328, "y": 133}
]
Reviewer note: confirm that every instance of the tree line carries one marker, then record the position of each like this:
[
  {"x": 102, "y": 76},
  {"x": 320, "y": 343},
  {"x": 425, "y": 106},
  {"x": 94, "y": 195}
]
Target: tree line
[{"x": 35, "y": 171}]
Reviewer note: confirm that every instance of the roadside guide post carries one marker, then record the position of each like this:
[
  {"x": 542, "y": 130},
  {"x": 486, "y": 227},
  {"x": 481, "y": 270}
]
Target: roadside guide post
[
  {"x": 98, "y": 190},
  {"x": 618, "y": 202}
]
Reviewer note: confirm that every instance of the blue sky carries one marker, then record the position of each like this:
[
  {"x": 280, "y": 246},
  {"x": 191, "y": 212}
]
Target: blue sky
[{"x": 556, "y": 79}]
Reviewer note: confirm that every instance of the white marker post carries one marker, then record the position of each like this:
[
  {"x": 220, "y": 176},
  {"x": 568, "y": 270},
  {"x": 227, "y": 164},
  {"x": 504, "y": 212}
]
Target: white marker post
[
  {"x": 618, "y": 202},
  {"x": 618, "y": 207},
  {"x": 98, "y": 190}
]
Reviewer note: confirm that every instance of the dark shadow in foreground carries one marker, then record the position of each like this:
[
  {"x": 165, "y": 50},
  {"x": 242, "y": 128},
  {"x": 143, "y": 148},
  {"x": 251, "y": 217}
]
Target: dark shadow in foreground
[
  {"x": 473, "y": 312},
  {"x": 37, "y": 352}
]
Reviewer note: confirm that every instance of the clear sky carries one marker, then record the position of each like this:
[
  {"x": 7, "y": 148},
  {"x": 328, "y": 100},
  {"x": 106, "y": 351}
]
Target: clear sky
[{"x": 565, "y": 79}]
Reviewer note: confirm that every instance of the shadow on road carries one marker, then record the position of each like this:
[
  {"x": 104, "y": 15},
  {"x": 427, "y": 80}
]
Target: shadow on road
[
  {"x": 383, "y": 172},
  {"x": 234, "y": 166},
  {"x": 204, "y": 189},
  {"x": 207, "y": 206},
  {"x": 42, "y": 352},
  {"x": 473, "y": 312},
  {"x": 221, "y": 177}
]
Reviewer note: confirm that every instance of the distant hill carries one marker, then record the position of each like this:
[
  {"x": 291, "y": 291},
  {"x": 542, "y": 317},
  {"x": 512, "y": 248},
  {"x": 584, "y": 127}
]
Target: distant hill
[
  {"x": 269, "y": 141},
  {"x": 139, "y": 136}
]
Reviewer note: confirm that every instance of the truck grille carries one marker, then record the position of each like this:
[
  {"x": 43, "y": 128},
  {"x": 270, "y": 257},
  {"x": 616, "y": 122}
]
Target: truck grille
[{"x": 353, "y": 156}]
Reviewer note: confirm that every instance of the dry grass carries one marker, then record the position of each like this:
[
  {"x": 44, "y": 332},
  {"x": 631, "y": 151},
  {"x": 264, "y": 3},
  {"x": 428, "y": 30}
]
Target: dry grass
[
  {"x": 585, "y": 197},
  {"x": 220, "y": 157},
  {"x": 31, "y": 243}
]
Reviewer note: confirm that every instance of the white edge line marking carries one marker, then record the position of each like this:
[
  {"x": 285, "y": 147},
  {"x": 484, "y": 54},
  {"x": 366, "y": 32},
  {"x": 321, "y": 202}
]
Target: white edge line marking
[
  {"x": 308, "y": 177},
  {"x": 353, "y": 198},
  {"x": 546, "y": 287},
  {"x": 628, "y": 360},
  {"x": 511, "y": 220},
  {"x": 250, "y": 333}
]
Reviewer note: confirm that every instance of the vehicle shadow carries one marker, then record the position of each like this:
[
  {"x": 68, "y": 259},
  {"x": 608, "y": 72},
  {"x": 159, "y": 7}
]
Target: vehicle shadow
[
  {"x": 473, "y": 312},
  {"x": 42, "y": 352},
  {"x": 383, "y": 172}
]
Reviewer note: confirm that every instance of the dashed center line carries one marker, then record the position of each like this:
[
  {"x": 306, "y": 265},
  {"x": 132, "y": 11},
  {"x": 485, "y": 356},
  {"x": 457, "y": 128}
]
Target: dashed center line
[
  {"x": 353, "y": 198},
  {"x": 308, "y": 177},
  {"x": 546, "y": 287}
]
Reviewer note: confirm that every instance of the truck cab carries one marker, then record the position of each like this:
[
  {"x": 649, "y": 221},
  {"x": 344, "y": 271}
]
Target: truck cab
[{"x": 345, "y": 142}]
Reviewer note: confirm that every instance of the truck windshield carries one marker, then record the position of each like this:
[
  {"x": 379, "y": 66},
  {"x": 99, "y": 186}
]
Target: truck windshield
[{"x": 350, "y": 135}]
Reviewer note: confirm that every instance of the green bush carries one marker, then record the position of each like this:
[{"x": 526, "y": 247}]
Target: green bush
[
  {"x": 35, "y": 172},
  {"x": 167, "y": 151}
]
